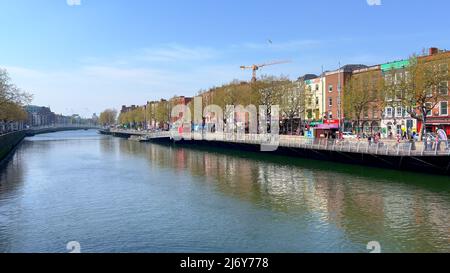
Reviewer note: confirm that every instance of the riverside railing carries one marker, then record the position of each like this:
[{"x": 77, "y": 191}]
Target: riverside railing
[
  {"x": 62, "y": 126},
  {"x": 383, "y": 147},
  {"x": 352, "y": 146},
  {"x": 38, "y": 128}
]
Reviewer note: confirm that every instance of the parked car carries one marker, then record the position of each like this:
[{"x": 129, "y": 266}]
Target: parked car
[{"x": 349, "y": 135}]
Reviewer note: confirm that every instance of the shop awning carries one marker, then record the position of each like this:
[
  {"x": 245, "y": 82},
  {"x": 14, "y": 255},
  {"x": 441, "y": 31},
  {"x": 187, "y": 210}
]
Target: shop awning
[{"x": 328, "y": 126}]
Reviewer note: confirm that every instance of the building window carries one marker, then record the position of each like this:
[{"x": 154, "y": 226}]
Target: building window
[
  {"x": 444, "y": 108},
  {"x": 330, "y": 115},
  {"x": 389, "y": 112},
  {"x": 330, "y": 102},
  {"x": 374, "y": 113},
  {"x": 429, "y": 109},
  {"x": 388, "y": 78},
  {"x": 317, "y": 100},
  {"x": 330, "y": 88},
  {"x": 398, "y": 78},
  {"x": 317, "y": 87},
  {"x": 444, "y": 69},
  {"x": 443, "y": 88},
  {"x": 399, "y": 112},
  {"x": 406, "y": 111},
  {"x": 407, "y": 76}
]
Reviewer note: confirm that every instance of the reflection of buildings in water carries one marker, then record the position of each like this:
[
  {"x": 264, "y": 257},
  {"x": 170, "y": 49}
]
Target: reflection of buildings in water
[
  {"x": 354, "y": 204},
  {"x": 357, "y": 205},
  {"x": 109, "y": 146},
  {"x": 291, "y": 188},
  {"x": 234, "y": 174},
  {"x": 180, "y": 159},
  {"x": 431, "y": 216}
]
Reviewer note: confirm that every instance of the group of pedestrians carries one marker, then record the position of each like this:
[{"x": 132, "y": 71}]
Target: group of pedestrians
[
  {"x": 435, "y": 141},
  {"x": 374, "y": 138}
]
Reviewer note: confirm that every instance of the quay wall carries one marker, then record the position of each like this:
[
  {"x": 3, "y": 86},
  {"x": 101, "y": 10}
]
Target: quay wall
[
  {"x": 437, "y": 165},
  {"x": 9, "y": 142},
  {"x": 425, "y": 163}
]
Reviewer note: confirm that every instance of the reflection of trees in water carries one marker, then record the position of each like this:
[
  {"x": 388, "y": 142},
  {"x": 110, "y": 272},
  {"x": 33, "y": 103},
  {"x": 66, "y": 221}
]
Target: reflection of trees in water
[
  {"x": 12, "y": 171},
  {"x": 11, "y": 182},
  {"x": 360, "y": 206}
]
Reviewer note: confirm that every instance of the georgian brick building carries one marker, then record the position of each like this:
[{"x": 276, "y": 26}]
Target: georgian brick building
[
  {"x": 370, "y": 121},
  {"x": 440, "y": 115},
  {"x": 335, "y": 82}
]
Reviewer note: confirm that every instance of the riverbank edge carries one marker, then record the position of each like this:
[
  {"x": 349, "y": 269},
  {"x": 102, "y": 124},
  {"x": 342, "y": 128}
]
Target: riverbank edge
[
  {"x": 435, "y": 165},
  {"x": 8, "y": 145}
]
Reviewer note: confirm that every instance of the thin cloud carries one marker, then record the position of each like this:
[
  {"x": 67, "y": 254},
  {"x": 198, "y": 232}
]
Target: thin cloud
[
  {"x": 176, "y": 53},
  {"x": 279, "y": 46}
]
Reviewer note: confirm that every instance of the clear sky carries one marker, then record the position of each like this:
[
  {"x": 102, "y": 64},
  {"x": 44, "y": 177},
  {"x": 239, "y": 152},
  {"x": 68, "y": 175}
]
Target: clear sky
[{"x": 105, "y": 53}]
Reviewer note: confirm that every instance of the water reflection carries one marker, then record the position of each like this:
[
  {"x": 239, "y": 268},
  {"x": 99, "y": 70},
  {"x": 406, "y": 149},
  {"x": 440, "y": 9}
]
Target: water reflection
[
  {"x": 118, "y": 195},
  {"x": 411, "y": 209}
]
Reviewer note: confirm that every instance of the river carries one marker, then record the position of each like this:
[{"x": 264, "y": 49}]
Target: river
[{"x": 115, "y": 195}]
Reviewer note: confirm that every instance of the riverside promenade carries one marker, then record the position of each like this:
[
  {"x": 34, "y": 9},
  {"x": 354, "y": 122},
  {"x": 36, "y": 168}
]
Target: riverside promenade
[{"x": 428, "y": 157}]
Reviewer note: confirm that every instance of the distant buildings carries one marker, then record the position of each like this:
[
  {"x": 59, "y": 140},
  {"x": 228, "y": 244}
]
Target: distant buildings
[
  {"x": 314, "y": 96},
  {"x": 392, "y": 120},
  {"x": 324, "y": 108},
  {"x": 39, "y": 116}
]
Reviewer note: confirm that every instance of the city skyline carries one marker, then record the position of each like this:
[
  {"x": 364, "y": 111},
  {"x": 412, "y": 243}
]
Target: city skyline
[{"x": 72, "y": 55}]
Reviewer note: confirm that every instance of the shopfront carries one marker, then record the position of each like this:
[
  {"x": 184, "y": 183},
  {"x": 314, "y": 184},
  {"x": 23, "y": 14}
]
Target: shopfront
[
  {"x": 433, "y": 124},
  {"x": 394, "y": 127},
  {"x": 328, "y": 129}
]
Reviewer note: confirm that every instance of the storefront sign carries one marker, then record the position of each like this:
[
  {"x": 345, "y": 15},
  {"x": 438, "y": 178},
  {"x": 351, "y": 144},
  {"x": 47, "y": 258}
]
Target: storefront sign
[
  {"x": 315, "y": 123},
  {"x": 438, "y": 121},
  {"x": 328, "y": 126},
  {"x": 331, "y": 122}
]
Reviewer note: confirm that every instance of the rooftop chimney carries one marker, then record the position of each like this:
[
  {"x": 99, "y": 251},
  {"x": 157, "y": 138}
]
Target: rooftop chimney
[{"x": 434, "y": 50}]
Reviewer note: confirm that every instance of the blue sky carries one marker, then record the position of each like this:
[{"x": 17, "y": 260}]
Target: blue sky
[{"x": 105, "y": 53}]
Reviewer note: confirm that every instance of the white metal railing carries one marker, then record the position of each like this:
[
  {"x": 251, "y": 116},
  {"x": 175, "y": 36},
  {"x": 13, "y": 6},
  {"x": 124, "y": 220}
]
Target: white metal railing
[
  {"x": 62, "y": 126},
  {"x": 56, "y": 126},
  {"x": 383, "y": 147}
]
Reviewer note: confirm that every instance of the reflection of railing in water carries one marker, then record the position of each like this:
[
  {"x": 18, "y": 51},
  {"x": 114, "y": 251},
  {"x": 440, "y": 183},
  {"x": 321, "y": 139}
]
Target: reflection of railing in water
[{"x": 350, "y": 146}]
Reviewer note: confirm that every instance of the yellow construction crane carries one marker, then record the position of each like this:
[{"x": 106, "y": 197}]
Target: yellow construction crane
[{"x": 256, "y": 67}]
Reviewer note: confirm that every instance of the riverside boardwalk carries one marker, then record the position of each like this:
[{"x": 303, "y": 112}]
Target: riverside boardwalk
[{"x": 426, "y": 157}]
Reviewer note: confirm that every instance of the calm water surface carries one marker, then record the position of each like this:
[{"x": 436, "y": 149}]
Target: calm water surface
[{"x": 114, "y": 195}]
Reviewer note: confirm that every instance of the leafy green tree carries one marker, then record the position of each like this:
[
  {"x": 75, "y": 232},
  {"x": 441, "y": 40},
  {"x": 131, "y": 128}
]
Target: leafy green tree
[
  {"x": 108, "y": 117},
  {"x": 362, "y": 92},
  {"x": 12, "y": 99},
  {"x": 421, "y": 87}
]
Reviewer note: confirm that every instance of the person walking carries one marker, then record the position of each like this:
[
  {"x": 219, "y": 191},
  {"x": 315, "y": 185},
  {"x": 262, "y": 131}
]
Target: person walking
[{"x": 441, "y": 137}]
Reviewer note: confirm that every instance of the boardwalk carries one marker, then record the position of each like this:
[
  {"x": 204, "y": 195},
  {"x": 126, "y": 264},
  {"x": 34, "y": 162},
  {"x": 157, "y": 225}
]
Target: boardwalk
[{"x": 385, "y": 147}]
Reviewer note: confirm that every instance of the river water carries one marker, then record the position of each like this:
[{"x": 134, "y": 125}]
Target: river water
[{"x": 115, "y": 195}]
